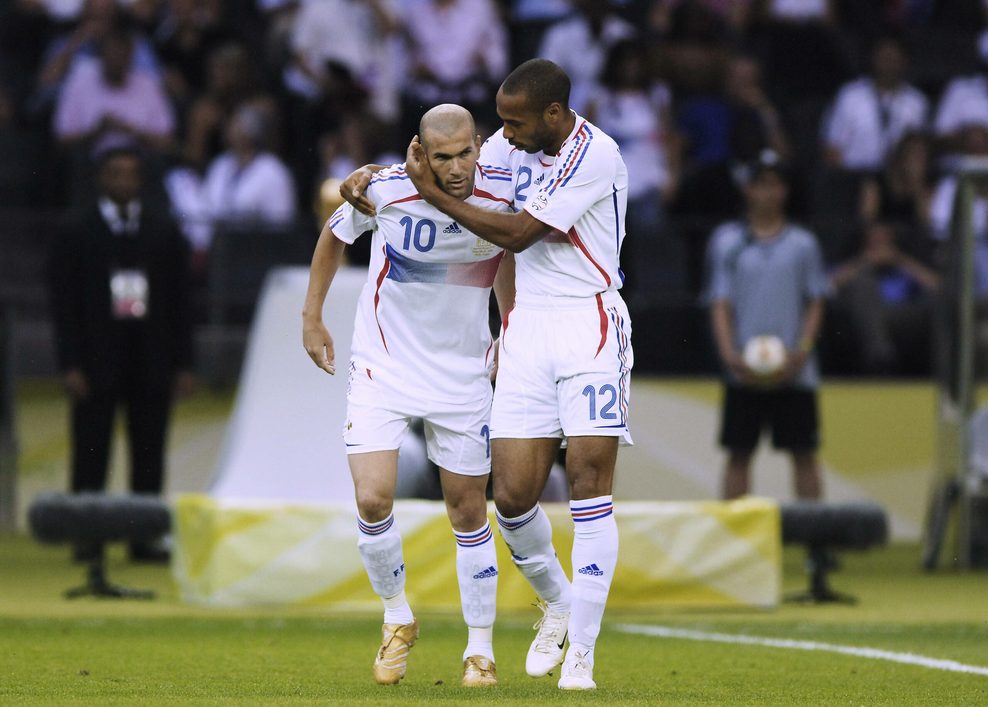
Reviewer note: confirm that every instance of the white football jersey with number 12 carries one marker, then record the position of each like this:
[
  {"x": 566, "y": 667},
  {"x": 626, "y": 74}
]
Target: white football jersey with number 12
[
  {"x": 422, "y": 324},
  {"x": 582, "y": 194}
]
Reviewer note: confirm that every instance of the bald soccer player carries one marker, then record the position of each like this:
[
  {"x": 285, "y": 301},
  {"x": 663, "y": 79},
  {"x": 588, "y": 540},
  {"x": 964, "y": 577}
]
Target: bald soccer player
[{"x": 421, "y": 348}]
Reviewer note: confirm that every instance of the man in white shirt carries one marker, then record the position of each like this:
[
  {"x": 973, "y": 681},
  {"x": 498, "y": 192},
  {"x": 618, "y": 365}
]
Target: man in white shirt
[
  {"x": 565, "y": 348},
  {"x": 870, "y": 114},
  {"x": 421, "y": 348},
  {"x": 964, "y": 103}
]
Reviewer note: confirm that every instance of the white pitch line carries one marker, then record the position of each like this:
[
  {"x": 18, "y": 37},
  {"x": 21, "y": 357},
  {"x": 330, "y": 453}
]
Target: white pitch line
[{"x": 874, "y": 653}]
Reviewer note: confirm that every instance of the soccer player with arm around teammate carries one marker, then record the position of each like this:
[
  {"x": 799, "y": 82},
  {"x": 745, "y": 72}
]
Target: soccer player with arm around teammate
[
  {"x": 565, "y": 348},
  {"x": 421, "y": 348}
]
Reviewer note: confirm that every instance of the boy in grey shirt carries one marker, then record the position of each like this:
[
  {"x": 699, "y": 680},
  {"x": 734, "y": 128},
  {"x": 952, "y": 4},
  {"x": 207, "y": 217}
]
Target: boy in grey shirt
[{"x": 767, "y": 278}]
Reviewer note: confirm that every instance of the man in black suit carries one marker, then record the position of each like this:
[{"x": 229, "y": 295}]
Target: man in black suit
[{"x": 123, "y": 329}]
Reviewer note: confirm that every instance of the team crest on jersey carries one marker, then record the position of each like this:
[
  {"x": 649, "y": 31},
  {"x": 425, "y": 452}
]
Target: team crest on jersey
[
  {"x": 482, "y": 248},
  {"x": 452, "y": 229},
  {"x": 538, "y": 203}
]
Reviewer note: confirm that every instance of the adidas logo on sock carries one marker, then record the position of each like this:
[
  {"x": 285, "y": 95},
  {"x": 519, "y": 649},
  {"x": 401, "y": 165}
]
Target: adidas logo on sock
[
  {"x": 489, "y": 572},
  {"x": 452, "y": 228},
  {"x": 591, "y": 570}
]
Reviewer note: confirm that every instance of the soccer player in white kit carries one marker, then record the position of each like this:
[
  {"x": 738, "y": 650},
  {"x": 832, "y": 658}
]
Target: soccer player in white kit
[
  {"x": 565, "y": 348},
  {"x": 421, "y": 348}
]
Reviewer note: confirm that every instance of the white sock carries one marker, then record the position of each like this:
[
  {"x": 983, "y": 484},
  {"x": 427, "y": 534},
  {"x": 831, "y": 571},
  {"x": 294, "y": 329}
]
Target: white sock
[
  {"x": 595, "y": 550},
  {"x": 380, "y": 547},
  {"x": 476, "y": 572},
  {"x": 529, "y": 537}
]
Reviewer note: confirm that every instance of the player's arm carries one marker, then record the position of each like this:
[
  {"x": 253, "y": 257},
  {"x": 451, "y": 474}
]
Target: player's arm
[
  {"x": 514, "y": 232},
  {"x": 326, "y": 260},
  {"x": 354, "y": 188},
  {"x": 504, "y": 284}
]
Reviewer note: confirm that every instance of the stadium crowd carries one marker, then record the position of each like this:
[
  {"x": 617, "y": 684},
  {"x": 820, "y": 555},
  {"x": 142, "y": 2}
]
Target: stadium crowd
[{"x": 242, "y": 110}]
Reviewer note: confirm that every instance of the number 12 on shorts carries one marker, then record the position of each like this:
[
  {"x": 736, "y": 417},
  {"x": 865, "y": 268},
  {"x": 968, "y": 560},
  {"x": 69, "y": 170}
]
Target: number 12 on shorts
[{"x": 608, "y": 397}]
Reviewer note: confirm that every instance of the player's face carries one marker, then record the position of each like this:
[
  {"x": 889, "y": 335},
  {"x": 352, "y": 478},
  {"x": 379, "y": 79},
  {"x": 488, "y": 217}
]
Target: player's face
[
  {"x": 524, "y": 128},
  {"x": 453, "y": 158}
]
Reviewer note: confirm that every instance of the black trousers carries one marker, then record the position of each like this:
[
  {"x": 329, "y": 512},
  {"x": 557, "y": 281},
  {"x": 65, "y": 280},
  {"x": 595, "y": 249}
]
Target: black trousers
[{"x": 147, "y": 402}]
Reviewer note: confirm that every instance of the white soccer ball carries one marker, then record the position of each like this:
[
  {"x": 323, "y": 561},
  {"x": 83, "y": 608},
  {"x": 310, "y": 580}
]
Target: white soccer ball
[{"x": 765, "y": 355}]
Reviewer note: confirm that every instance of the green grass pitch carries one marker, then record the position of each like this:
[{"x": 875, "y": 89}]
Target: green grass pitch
[{"x": 59, "y": 652}]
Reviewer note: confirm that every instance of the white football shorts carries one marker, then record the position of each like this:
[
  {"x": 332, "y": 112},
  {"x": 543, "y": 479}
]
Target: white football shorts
[
  {"x": 564, "y": 369},
  {"x": 457, "y": 435}
]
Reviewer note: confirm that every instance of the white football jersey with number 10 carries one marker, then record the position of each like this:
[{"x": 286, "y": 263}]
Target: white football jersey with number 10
[
  {"x": 582, "y": 194},
  {"x": 422, "y": 326}
]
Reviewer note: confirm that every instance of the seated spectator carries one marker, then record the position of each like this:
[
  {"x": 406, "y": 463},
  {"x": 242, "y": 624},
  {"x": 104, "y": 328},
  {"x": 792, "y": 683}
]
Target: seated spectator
[
  {"x": 465, "y": 71},
  {"x": 964, "y": 102},
  {"x": 580, "y": 43},
  {"x": 973, "y": 142},
  {"x": 229, "y": 84},
  {"x": 871, "y": 114},
  {"x": 901, "y": 192},
  {"x": 886, "y": 294},
  {"x": 98, "y": 18},
  {"x": 247, "y": 183},
  {"x": 733, "y": 15},
  {"x": 185, "y": 39},
  {"x": 109, "y": 99},
  {"x": 636, "y": 112}
]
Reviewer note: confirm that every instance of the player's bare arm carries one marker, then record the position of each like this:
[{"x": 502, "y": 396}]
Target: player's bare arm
[
  {"x": 354, "y": 188},
  {"x": 326, "y": 260},
  {"x": 513, "y": 232}
]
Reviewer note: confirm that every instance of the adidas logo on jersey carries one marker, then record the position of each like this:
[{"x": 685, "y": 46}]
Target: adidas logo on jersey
[
  {"x": 592, "y": 570},
  {"x": 489, "y": 572},
  {"x": 452, "y": 229},
  {"x": 540, "y": 179}
]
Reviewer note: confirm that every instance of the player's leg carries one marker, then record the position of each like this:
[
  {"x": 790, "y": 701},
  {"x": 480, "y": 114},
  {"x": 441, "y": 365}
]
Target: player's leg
[
  {"x": 457, "y": 439},
  {"x": 476, "y": 571},
  {"x": 590, "y": 463},
  {"x": 593, "y": 395},
  {"x": 525, "y": 438},
  {"x": 373, "y": 435},
  {"x": 380, "y": 548},
  {"x": 521, "y": 467}
]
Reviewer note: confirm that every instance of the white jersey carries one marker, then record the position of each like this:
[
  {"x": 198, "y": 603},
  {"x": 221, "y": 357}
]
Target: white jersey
[
  {"x": 582, "y": 194},
  {"x": 422, "y": 326}
]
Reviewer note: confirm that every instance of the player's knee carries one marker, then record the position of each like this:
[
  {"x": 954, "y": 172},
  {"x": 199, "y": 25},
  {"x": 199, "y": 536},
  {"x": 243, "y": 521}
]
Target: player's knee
[
  {"x": 589, "y": 480},
  {"x": 374, "y": 507},
  {"x": 513, "y": 502},
  {"x": 466, "y": 513}
]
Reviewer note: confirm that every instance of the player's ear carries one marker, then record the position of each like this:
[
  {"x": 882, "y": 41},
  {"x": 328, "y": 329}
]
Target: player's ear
[{"x": 478, "y": 141}]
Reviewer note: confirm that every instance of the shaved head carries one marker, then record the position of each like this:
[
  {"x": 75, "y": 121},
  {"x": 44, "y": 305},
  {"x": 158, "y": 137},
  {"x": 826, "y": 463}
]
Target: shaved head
[{"x": 446, "y": 119}]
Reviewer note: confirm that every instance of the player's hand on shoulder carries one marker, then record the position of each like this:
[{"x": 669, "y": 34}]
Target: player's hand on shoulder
[
  {"x": 354, "y": 190},
  {"x": 319, "y": 345}
]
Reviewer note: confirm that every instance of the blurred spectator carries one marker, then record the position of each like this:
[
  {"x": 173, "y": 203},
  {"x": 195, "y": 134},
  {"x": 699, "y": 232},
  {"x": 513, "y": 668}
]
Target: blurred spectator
[
  {"x": 732, "y": 126},
  {"x": 964, "y": 102},
  {"x": 185, "y": 39},
  {"x": 901, "y": 192},
  {"x": 246, "y": 184},
  {"x": 354, "y": 34},
  {"x": 973, "y": 142},
  {"x": 683, "y": 17},
  {"x": 636, "y": 112},
  {"x": 529, "y": 21},
  {"x": 109, "y": 99},
  {"x": 766, "y": 278},
  {"x": 465, "y": 71},
  {"x": 122, "y": 327},
  {"x": 887, "y": 296},
  {"x": 82, "y": 43},
  {"x": 870, "y": 114},
  {"x": 580, "y": 44},
  {"x": 229, "y": 84}
]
